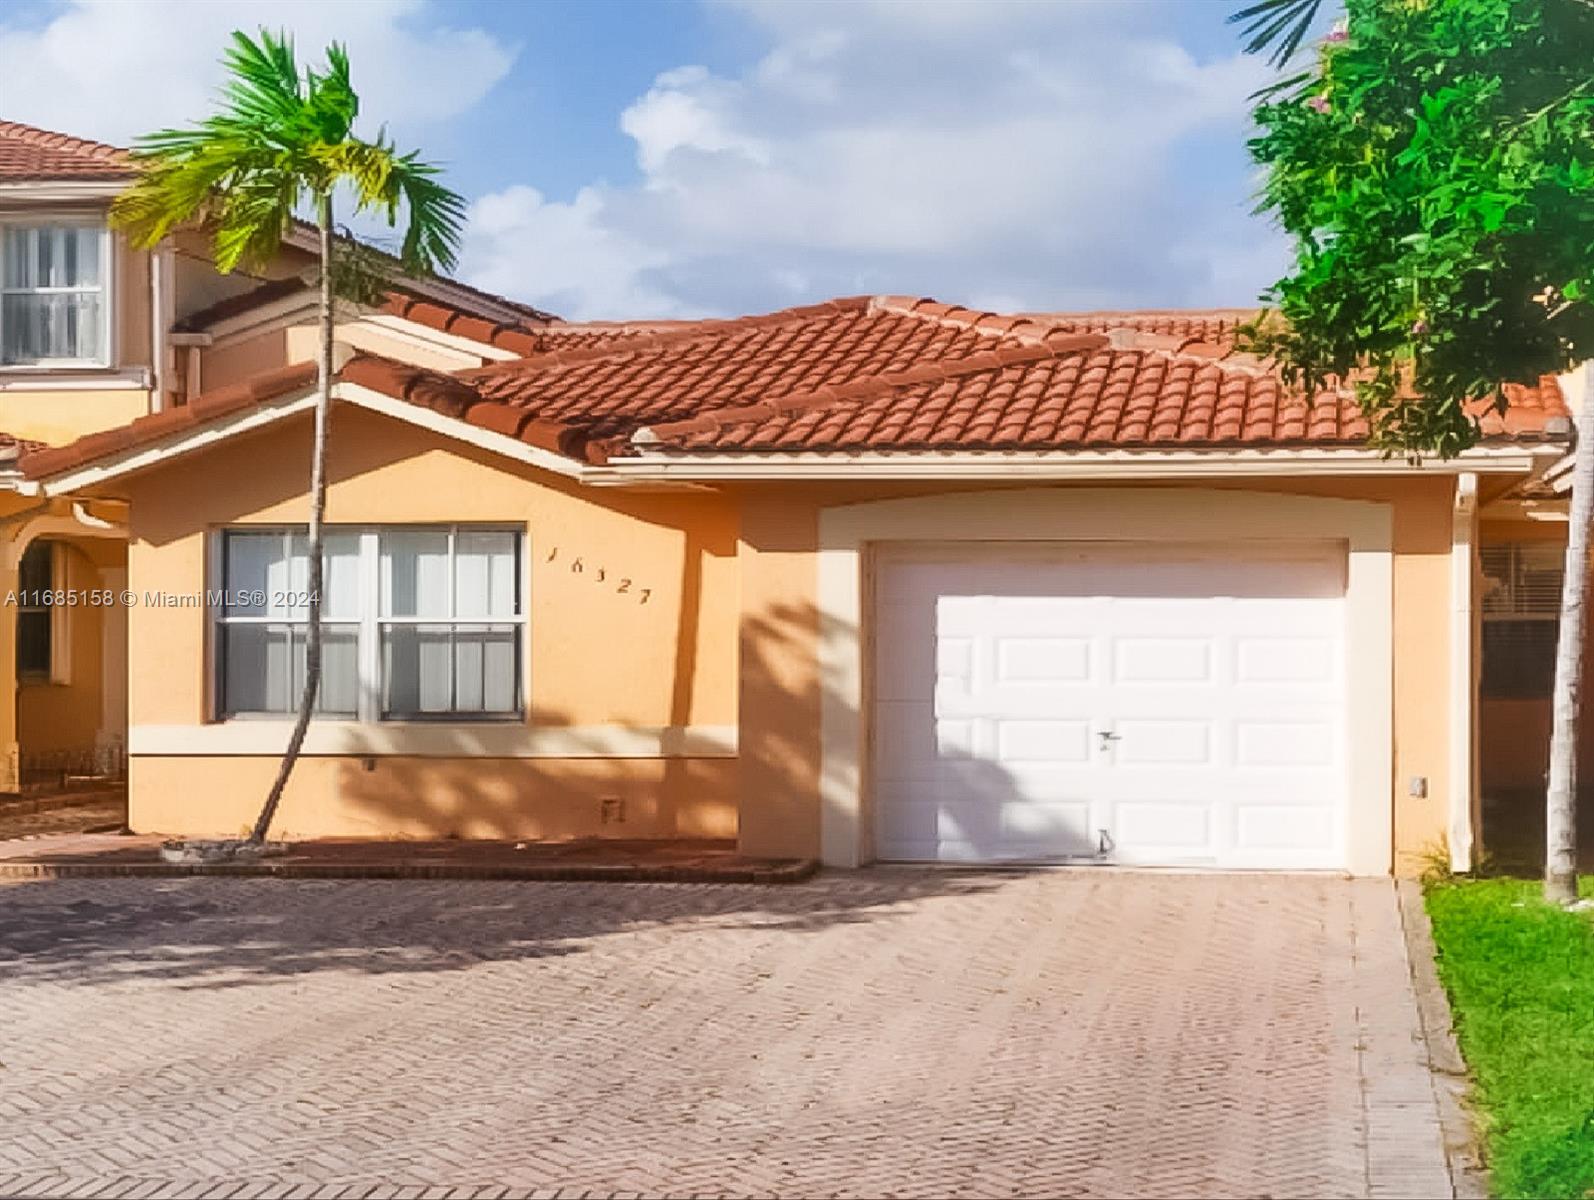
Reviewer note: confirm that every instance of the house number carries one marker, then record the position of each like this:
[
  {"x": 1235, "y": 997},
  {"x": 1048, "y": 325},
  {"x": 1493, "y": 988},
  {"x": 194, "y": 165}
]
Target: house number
[{"x": 601, "y": 575}]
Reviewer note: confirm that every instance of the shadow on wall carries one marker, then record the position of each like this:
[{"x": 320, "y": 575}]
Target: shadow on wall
[{"x": 928, "y": 792}]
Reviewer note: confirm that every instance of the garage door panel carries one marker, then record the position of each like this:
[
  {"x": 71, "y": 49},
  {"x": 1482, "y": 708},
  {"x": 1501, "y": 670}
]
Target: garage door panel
[
  {"x": 1186, "y": 743},
  {"x": 1029, "y": 660},
  {"x": 1163, "y": 660},
  {"x": 1165, "y": 830},
  {"x": 1286, "y": 745},
  {"x": 1295, "y": 827}
]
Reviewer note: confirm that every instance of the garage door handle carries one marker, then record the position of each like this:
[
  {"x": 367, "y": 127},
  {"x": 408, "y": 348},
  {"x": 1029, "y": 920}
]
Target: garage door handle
[{"x": 1108, "y": 737}]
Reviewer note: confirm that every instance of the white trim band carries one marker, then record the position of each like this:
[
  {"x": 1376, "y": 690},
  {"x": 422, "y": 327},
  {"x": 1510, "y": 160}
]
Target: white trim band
[{"x": 425, "y": 739}]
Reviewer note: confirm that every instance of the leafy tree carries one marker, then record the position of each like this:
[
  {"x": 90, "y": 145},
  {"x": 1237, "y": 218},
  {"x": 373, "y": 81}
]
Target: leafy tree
[
  {"x": 283, "y": 139},
  {"x": 1436, "y": 174}
]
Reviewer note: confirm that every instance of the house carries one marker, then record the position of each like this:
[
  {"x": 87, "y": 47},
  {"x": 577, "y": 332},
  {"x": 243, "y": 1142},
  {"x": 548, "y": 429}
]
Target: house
[
  {"x": 879, "y": 578},
  {"x": 94, "y": 333}
]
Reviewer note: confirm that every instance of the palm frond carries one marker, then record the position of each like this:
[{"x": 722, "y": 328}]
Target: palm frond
[{"x": 1279, "y": 24}]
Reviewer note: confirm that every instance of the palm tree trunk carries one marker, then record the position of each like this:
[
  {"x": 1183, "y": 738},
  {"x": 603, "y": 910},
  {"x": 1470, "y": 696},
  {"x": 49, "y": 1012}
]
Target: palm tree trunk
[
  {"x": 318, "y": 505},
  {"x": 1560, "y": 861}
]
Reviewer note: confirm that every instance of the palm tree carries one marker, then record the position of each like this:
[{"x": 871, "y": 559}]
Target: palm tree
[
  {"x": 1281, "y": 24},
  {"x": 283, "y": 139}
]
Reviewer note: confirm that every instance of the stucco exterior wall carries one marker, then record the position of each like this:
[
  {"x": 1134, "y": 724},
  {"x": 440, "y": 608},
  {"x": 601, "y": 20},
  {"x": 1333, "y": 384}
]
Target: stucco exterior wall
[
  {"x": 633, "y": 616},
  {"x": 782, "y": 689}
]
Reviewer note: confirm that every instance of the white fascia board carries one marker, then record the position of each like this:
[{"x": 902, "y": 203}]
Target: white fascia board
[
  {"x": 1064, "y": 464},
  {"x": 55, "y": 190},
  {"x": 140, "y": 458}
]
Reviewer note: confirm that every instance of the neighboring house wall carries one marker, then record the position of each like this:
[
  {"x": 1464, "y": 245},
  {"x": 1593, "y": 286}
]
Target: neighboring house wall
[
  {"x": 782, "y": 690},
  {"x": 632, "y": 695}
]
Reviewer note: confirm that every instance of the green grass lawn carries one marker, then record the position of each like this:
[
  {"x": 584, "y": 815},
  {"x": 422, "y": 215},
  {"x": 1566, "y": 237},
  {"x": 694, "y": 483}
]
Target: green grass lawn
[{"x": 1521, "y": 980}]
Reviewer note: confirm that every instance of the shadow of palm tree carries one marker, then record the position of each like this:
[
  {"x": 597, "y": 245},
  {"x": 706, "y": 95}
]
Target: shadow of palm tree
[{"x": 213, "y": 933}]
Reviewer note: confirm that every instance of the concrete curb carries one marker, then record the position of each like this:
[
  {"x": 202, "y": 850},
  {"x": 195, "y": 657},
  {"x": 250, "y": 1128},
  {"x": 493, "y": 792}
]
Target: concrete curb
[
  {"x": 794, "y": 871},
  {"x": 1469, "y": 1177}
]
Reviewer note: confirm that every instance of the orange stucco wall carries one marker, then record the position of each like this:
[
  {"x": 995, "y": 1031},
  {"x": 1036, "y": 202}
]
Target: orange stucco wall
[
  {"x": 633, "y": 609},
  {"x": 781, "y": 693}
]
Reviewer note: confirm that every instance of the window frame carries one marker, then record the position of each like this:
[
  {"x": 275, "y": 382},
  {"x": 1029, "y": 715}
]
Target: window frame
[
  {"x": 369, "y": 622},
  {"x": 108, "y": 289}
]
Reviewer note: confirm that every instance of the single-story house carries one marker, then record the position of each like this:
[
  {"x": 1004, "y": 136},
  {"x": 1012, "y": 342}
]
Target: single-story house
[{"x": 880, "y": 578}]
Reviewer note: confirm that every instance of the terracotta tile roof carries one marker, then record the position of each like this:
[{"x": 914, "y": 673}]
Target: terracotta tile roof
[
  {"x": 27, "y": 152},
  {"x": 882, "y": 374},
  {"x": 520, "y": 338},
  {"x": 203, "y": 409}
]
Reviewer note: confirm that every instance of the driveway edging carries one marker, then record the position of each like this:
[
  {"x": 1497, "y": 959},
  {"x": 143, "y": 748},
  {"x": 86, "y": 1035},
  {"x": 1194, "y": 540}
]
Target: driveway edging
[{"x": 1469, "y": 1177}]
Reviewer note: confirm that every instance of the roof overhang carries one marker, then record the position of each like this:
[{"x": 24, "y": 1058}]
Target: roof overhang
[
  {"x": 994, "y": 465},
  {"x": 135, "y": 459},
  {"x": 55, "y": 191},
  {"x": 655, "y": 470}
]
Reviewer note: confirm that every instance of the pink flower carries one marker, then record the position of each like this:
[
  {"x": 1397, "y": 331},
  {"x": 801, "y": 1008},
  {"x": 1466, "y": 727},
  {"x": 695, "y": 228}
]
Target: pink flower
[
  {"x": 1337, "y": 34},
  {"x": 1319, "y": 104},
  {"x": 1419, "y": 327}
]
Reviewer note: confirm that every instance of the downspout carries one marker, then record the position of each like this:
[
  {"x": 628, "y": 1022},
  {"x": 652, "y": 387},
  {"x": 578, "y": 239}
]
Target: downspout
[
  {"x": 158, "y": 325},
  {"x": 1463, "y": 674}
]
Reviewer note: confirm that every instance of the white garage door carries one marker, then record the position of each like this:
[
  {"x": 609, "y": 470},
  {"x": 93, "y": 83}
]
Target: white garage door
[{"x": 1126, "y": 704}]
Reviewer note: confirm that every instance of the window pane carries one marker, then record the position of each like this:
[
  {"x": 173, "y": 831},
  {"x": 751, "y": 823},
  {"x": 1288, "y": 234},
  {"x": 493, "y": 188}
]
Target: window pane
[
  {"x": 41, "y": 327},
  {"x": 340, "y": 580},
  {"x": 340, "y": 669},
  {"x": 430, "y": 669},
  {"x": 256, "y": 567},
  {"x": 34, "y": 573},
  {"x": 33, "y": 642},
  {"x": 484, "y": 668},
  {"x": 16, "y": 257},
  {"x": 484, "y": 574},
  {"x": 259, "y": 657},
  {"x": 415, "y": 573},
  {"x": 255, "y": 668},
  {"x": 417, "y": 669}
]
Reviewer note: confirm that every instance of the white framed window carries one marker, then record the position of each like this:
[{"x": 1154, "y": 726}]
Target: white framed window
[
  {"x": 55, "y": 288},
  {"x": 418, "y": 623},
  {"x": 1521, "y": 618}
]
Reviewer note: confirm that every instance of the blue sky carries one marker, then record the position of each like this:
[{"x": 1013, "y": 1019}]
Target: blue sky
[{"x": 684, "y": 157}]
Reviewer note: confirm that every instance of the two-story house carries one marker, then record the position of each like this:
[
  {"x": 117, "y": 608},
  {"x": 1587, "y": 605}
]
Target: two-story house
[{"x": 95, "y": 333}]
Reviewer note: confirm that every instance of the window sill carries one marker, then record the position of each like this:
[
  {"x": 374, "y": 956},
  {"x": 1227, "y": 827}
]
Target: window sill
[
  {"x": 436, "y": 739},
  {"x": 76, "y": 377}
]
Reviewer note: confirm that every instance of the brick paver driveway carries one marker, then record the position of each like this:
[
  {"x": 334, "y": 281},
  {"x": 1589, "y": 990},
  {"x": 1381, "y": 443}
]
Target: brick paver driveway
[{"x": 892, "y": 1033}]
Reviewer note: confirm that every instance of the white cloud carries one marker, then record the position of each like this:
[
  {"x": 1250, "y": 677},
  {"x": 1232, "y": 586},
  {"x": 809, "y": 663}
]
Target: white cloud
[
  {"x": 1049, "y": 154},
  {"x": 112, "y": 70}
]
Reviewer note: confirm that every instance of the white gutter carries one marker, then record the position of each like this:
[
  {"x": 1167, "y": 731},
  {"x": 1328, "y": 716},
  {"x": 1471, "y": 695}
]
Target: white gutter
[{"x": 1064, "y": 465}]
